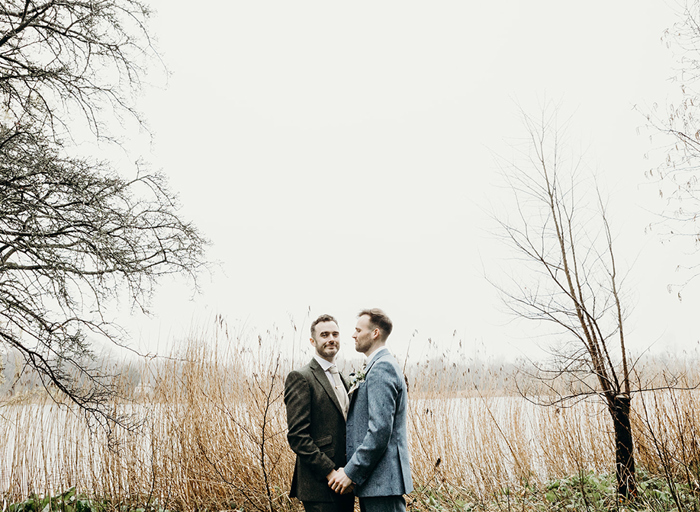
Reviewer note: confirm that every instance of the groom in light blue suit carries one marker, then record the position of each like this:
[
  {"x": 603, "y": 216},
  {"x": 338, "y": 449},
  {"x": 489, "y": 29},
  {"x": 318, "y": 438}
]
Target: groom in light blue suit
[{"x": 377, "y": 441}]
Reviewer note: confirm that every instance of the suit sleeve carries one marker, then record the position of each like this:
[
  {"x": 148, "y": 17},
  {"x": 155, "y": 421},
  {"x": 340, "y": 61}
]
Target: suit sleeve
[
  {"x": 383, "y": 388},
  {"x": 297, "y": 398}
]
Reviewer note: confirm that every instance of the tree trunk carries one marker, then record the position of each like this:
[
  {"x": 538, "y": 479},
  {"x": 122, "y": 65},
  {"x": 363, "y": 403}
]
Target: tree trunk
[{"x": 624, "y": 447}]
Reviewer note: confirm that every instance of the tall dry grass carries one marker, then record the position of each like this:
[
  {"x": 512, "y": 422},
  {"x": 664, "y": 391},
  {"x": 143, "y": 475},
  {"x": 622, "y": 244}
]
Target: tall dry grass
[{"x": 211, "y": 434}]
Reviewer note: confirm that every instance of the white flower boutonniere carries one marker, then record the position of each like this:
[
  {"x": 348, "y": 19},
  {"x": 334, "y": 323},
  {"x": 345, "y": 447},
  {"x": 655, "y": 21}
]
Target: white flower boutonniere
[{"x": 356, "y": 378}]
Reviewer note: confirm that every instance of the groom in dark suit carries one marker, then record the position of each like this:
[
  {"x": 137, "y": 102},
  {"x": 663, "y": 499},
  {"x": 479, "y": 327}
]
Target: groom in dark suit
[
  {"x": 377, "y": 440},
  {"x": 317, "y": 405}
]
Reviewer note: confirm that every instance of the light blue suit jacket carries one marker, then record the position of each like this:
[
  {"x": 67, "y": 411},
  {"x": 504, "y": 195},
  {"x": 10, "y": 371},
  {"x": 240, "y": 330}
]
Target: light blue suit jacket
[{"x": 377, "y": 440}]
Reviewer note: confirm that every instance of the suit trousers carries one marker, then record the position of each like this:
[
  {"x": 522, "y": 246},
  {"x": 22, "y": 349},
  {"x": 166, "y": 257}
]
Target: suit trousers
[
  {"x": 383, "y": 504},
  {"x": 345, "y": 503}
]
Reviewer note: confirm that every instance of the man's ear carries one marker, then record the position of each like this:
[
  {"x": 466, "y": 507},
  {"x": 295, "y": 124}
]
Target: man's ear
[
  {"x": 375, "y": 333},
  {"x": 313, "y": 342}
]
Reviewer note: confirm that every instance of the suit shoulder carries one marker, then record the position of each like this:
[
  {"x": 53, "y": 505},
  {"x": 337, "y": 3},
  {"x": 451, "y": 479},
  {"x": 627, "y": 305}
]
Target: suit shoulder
[
  {"x": 388, "y": 368},
  {"x": 387, "y": 362},
  {"x": 304, "y": 372}
]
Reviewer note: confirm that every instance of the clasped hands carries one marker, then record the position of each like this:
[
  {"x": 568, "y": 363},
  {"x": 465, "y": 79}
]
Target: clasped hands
[{"x": 339, "y": 481}]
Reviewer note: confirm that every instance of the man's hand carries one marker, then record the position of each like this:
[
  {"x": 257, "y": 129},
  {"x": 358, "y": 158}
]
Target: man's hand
[{"x": 339, "y": 481}]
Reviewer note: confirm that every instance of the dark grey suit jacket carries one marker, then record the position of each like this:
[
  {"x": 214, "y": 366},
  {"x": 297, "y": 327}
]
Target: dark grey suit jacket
[{"x": 316, "y": 432}]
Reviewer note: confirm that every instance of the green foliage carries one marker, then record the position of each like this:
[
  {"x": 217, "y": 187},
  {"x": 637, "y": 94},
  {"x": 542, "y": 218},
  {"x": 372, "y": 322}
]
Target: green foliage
[
  {"x": 587, "y": 491},
  {"x": 68, "y": 501},
  {"x": 71, "y": 501},
  {"x": 442, "y": 499},
  {"x": 594, "y": 492}
]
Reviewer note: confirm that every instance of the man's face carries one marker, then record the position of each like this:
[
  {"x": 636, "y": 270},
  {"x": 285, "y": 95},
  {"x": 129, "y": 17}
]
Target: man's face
[
  {"x": 364, "y": 335},
  {"x": 326, "y": 340}
]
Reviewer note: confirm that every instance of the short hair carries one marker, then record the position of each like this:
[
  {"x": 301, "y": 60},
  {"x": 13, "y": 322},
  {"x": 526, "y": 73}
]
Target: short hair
[
  {"x": 378, "y": 319},
  {"x": 322, "y": 318}
]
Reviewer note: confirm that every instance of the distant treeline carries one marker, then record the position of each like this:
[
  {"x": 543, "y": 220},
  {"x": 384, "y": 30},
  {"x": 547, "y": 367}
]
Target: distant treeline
[{"x": 465, "y": 377}]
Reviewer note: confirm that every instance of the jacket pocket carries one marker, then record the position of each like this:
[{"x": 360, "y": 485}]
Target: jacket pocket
[{"x": 325, "y": 444}]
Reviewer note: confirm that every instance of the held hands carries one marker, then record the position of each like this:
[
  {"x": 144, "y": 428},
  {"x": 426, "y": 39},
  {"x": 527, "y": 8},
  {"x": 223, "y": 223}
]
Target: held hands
[{"x": 339, "y": 481}]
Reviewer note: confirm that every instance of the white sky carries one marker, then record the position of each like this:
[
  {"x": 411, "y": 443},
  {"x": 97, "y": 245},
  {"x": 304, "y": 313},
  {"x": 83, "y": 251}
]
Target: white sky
[{"x": 339, "y": 156}]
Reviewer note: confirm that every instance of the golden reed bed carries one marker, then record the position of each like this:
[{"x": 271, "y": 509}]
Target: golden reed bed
[{"x": 211, "y": 435}]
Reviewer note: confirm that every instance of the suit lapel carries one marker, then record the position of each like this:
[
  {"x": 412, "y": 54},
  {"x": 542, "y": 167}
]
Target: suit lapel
[
  {"x": 371, "y": 364},
  {"x": 320, "y": 376},
  {"x": 375, "y": 359},
  {"x": 366, "y": 369},
  {"x": 344, "y": 381}
]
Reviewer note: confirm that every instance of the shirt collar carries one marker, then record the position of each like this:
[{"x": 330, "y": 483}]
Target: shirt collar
[
  {"x": 324, "y": 364},
  {"x": 374, "y": 355}
]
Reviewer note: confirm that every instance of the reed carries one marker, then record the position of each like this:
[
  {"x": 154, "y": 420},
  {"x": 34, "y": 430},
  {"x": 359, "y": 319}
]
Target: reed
[{"x": 210, "y": 434}]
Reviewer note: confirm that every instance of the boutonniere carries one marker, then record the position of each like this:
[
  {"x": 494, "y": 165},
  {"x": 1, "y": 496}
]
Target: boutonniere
[{"x": 356, "y": 378}]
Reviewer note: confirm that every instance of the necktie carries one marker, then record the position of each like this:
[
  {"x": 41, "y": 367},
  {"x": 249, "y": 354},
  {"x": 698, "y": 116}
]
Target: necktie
[{"x": 340, "y": 391}]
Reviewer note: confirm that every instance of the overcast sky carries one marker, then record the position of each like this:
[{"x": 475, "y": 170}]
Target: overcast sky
[{"x": 340, "y": 156}]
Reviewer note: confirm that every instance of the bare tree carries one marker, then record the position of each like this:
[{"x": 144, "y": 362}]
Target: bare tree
[
  {"x": 572, "y": 287},
  {"x": 74, "y": 233},
  {"x": 59, "y": 58},
  {"x": 678, "y": 176}
]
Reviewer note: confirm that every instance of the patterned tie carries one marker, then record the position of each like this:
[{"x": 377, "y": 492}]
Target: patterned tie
[{"x": 340, "y": 391}]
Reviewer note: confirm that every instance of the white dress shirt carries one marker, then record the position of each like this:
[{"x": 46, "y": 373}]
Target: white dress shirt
[{"x": 326, "y": 365}]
